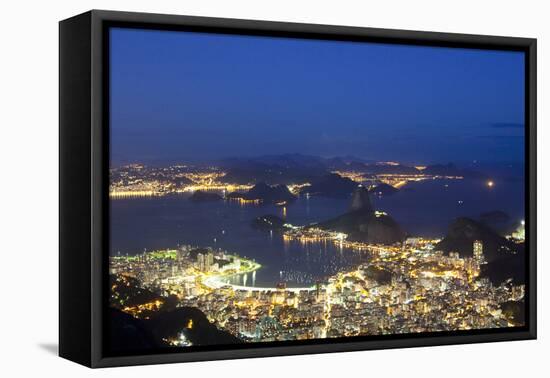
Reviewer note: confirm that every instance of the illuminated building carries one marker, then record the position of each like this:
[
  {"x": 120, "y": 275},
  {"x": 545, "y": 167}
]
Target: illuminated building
[
  {"x": 478, "y": 252},
  {"x": 205, "y": 261},
  {"x": 209, "y": 261},
  {"x": 201, "y": 262}
]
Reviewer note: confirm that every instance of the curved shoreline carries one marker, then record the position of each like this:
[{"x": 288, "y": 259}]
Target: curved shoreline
[{"x": 215, "y": 283}]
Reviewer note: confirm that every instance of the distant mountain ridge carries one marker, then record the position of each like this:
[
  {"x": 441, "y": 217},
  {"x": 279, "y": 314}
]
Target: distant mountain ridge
[{"x": 294, "y": 168}]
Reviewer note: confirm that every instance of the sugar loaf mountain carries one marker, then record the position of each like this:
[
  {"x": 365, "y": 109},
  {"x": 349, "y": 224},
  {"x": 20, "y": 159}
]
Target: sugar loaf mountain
[{"x": 361, "y": 223}]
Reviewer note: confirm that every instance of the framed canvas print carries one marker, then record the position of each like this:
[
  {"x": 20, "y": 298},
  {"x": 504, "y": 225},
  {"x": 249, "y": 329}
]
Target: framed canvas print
[{"x": 233, "y": 188}]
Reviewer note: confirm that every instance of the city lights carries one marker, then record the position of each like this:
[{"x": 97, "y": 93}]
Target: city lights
[
  {"x": 434, "y": 286},
  {"x": 408, "y": 286}
]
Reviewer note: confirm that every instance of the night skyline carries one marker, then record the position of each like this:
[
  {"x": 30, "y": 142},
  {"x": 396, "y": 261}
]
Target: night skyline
[
  {"x": 172, "y": 92},
  {"x": 283, "y": 243}
]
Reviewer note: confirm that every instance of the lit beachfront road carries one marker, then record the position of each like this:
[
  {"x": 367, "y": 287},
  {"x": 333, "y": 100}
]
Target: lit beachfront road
[{"x": 215, "y": 282}]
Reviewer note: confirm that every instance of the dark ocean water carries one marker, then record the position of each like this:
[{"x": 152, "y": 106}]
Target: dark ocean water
[{"x": 422, "y": 209}]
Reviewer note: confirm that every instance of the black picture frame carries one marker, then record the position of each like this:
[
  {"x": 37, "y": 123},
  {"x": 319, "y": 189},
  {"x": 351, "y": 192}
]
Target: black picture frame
[{"x": 83, "y": 181}]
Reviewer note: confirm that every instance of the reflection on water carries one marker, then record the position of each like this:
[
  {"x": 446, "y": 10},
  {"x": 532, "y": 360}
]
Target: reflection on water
[
  {"x": 246, "y": 279},
  {"x": 425, "y": 208}
]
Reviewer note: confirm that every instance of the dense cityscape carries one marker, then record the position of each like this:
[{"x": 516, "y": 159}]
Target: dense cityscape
[
  {"x": 404, "y": 285},
  {"x": 403, "y": 289}
]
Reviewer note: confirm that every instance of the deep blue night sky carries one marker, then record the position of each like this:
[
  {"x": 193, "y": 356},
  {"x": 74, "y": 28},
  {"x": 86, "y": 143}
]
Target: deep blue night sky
[{"x": 180, "y": 96}]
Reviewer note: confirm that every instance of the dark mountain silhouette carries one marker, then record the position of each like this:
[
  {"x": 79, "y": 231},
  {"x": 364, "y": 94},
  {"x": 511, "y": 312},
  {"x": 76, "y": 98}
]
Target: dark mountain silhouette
[
  {"x": 270, "y": 193},
  {"x": 193, "y": 323},
  {"x": 505, "y": 259},
  {"x": 360, "y": 200},
  {"x": 331, "y": 185},
  {"x": 315, "y": 164},
  {"x": 266, "y": 193},
  {"x": 274, "y": 169},
  {"x": 127, "y": 333},
  {"x": 202, "y": 196},
  {"x": 464, "y": 231},
  {"x": 497, "y": 220},
  {"x": 366, "y": 227},
  {"x": 297, "y": 168},
  {"x": 269, "y": 174},
  {"x": 505, "y": 268},
  {"x": 361, "y": 223},
  {"x": 495, "y": 216},
  {"x": 348, "y": 163},
  {"x": 293, "y": 161}
]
